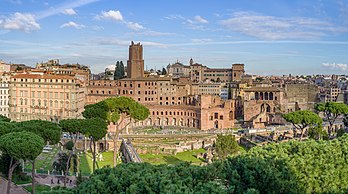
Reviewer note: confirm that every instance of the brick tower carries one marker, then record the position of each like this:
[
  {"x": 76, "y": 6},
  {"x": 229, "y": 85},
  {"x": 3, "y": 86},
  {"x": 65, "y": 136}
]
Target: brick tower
[{"x": 135, "y": 63}]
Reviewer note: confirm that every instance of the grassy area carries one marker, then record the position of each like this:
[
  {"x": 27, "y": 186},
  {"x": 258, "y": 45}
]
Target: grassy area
[
  {"x": 86, "y": 164},
  {"x": 44, "y": 161},
  {"x": 187, "y": 156},
  {"x": 38, "y": 188}
]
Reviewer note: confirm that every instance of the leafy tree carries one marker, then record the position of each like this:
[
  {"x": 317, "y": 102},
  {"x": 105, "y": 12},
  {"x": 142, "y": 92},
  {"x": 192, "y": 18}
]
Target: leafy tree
[
  {"x": 122, "y": 69},
  {"x": 119, "y": 70},
  {"x": 345, "y": 120},
  {"x": 226, "y": 145},
  {"x": 5, "y": 161},
  {"x": 119, "y": 110},
  {"x": 6, "y": 127},
  {"x": 74, "y": 127},
  {"x": 290, "y": 167},
  {"x": 332, "y": 110},
  {"x": 49, "y": 131},
  {"x": 318, "y": 133},
  {"x": 302, "y": 120},
  {"x": 20, "y": 145},
  {"x": 146, "y": 178},
  {"x": 4, "y": 119},
  {"x": 63, "y": 164},
  {"x": 95, "y": 129},
  {"x": 340, "y": 132},
  {"x": 229, "y": 92},
  {"x": 60, "y": 164}
]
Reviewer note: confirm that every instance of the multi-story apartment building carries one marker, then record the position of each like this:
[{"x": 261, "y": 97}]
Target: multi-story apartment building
[
  {"x": 46, "y": 97},
  {"x": 53, "y": 66},
  {"x": 208, "y": 88},
  {"x": 4, "y": 95}
]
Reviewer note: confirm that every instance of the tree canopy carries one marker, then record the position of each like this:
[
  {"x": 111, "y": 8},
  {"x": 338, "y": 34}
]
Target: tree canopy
[
  {"x": 226, "y": 145},
  {"x": 20, "y": 145},
  {"x": 49, "y": 131},
  {"x": 95, "y": 128},
  {"x": 288, "y": 167},
  {"x": 303, "y": 119},
  {"x": 332, "y": 110},
  {"x": 4, "y": 119},
  {"x": 146, "y": 178},
  {"x": 120, "y": 111},
  {"x": 72, "y": 126},
  {"x": 6, "y": 127},
  {"x": 119, "y": 70},
  {"x": 291, "y": 167}
]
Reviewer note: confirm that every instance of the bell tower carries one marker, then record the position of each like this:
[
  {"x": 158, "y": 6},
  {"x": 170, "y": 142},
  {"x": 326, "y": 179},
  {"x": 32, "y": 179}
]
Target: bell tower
[{"x": 135, "y": 62}]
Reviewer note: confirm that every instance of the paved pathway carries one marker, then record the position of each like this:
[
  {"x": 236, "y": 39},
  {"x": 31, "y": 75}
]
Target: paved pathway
[
  {"x": 14, "y": 188},
  {"x": 46, "y": 180}
]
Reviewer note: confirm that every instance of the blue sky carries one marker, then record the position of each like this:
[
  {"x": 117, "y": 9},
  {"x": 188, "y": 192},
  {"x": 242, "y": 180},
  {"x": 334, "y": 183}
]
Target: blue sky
[{"x": 271, "y": 37}]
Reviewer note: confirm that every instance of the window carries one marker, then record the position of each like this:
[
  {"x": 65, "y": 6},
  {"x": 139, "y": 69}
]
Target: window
[
  {"x": 216, "y": 115},
  {"x": 221, "y": 117}
]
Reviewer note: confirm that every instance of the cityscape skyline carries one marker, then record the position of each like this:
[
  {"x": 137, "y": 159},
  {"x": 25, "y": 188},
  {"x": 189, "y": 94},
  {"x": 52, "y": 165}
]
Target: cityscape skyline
[{"x": 275, "y": 37}]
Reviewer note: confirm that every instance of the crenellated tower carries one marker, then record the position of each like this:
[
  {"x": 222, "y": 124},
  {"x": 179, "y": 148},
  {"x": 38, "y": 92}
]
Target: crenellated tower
[{"x": 135, "y": 63}]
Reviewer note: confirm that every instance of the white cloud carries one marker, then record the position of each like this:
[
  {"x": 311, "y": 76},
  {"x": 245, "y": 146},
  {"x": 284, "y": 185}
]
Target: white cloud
[
  {"x": 175, "y": 17},
  {"x": 63, "y": 6},
  {"x": 111, "y": 15},
  {"x": 199, "y": 19},
  {"x": 202, "y": 40},
  {"x": 20, "y": 21},
  {"x": 117, "y": 16},
  {"x": 195, "y": 23},
  {"x": 135, "y": 26},
  {"x": 73, "y": 25},
  {"x": 278, "y": 28},
  {"x": 69, "y": 11},
  {"x": 338, "y": 66}
]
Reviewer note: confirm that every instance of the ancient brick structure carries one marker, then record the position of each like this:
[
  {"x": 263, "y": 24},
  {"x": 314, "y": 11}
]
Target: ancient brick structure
[
  {"x": 135, "y": 63},
  {"x": 171, "y": 101},
  {"x": 265, "y": 105}
]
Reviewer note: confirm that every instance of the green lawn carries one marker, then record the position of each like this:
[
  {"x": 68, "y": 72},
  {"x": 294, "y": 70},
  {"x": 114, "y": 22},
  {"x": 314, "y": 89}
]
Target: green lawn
[
  {"x": 86, "y": 164},
  {"x": 43, "y": 162},
  {"x": 38, "y": 188},
  {"x": 187, "y": 156}
]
